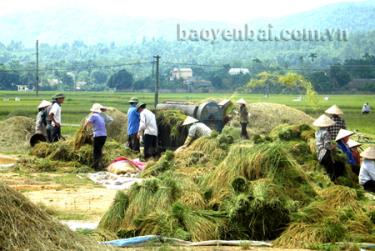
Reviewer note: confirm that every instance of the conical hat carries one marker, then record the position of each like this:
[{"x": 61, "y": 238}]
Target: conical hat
[
  {"x": 44, "y": 104},
  {"x": 190, "y": 120},
  {"x": 241, "y": 101},
  {"x": 323, "y": 121},
  {"x": 351, "y": 143},
  {"x": 343, "y": 134},
  {"x": 96, "y": 108},
  {"x": 369, "y": 153},
  {"x": 334, "y": 110}
]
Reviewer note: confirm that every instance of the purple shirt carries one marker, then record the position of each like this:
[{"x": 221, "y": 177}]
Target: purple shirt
[{"x": 98, "y": 125}]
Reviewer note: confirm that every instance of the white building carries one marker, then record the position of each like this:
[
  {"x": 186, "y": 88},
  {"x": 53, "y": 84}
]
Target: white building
[
  {"x": 237, "y": 71},
  {"x": 181, "y": 73},
  {"x": 22, "y": 88}
]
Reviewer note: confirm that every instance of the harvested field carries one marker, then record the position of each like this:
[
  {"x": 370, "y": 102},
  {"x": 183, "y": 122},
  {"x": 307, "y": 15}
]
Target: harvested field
[
  {"x": 15, "y": 134},
  {"x": 262, "y": 189}
]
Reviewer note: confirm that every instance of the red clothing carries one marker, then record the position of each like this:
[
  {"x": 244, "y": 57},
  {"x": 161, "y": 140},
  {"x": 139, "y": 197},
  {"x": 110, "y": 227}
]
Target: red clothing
[{"x": 356, "y": 156}]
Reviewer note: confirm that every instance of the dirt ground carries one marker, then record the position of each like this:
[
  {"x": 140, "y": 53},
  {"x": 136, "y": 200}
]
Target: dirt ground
[{"x": 72, "y": 198}]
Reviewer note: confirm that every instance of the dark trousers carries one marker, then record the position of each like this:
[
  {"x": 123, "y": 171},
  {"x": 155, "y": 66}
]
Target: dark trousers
[
  {"x": 334, "y": 169},
  {"x": 98, "y": 152},
  {"x": 370, "y": 186},
  {"x": 150, "y": 145},
  {"x": 244, "y": 131},
  {"x": 55, "y": 134},
  {"x": 133, "y": 142}
]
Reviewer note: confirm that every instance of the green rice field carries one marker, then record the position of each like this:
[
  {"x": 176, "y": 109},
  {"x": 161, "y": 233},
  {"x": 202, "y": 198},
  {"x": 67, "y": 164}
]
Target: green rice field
[{"x": 77, "y": 104}]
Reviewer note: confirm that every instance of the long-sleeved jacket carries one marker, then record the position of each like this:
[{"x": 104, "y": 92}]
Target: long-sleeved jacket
[
  {"x": 323, "y": 143},
  {"x": 147, "y": 123},
  {"x": 133, "y": 120}
]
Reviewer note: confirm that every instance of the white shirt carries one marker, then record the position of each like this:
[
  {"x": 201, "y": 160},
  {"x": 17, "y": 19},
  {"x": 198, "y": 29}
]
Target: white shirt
[
  {"x": 56, "y": 110},
  {"x": 199, "y": 130},
  {"x": 367, "y": 171},
  {"x": 147, "y": 124}
]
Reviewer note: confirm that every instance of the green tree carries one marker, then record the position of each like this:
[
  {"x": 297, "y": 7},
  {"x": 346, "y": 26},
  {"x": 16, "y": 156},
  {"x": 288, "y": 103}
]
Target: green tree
[{"x": 121, "y": 80}]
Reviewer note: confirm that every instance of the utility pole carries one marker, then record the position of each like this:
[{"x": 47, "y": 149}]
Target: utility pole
[
  {"x": 157, "y": 58},
  {"x": 37, "y": 68}
]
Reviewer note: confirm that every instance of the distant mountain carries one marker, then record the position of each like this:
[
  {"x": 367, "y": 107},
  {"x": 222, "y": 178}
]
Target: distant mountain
[
  {"x": 67, "y": 25},
  {"x": 358, "y": 16}
]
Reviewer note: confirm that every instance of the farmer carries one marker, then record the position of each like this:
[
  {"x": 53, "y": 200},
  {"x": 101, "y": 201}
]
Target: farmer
[
  {"x": 353, "y": 145},
  {"x": 49, "y": 127},
  {"x": 196, "y": 130},
  {"x": 148, "y": 130},
  {"x": 55, "y": 117},
  {"x": 367, "y": 172},
  {"x": 41, "y": 118},
  {"x": 335, "y": 112},
  {"x": 133, "y": 125},
  {"x": 325, "y": 147},
  {"x": 342, "y": 139},
  {"x": 244, "y": 118},
  {"x": 366, "y": 109},
  {"x": 100, "y": 134}
]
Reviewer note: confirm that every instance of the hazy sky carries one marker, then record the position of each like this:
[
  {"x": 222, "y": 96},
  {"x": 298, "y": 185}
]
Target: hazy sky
[{"x": 227, "y": 10}]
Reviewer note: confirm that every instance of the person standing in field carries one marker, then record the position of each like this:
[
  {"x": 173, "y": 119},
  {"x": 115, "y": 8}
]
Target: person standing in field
[
  {"x": 244, "y": 118},
  {"x": 133, "y": 125},
  {"x": 342, "y": 143},
  {"x": 41, "y": 118},
  {"x": 325, "y": 147},
  {"x": 367, "y": 172},
  {"x": 49, "y": 127},
  {"x": 335, "y": 114},
  {"x": 366, "y": 109},
  {"x": 148, "y": 130},
  {"x": 197, "y": 129},
  {"x": 55, "y": 117},
  {"x": 100, "y": 134}
]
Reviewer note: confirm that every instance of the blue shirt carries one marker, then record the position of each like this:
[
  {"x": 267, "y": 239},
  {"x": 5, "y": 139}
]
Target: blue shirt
[
  {"x": 133, "y": 120},
  {"x": 98, "y": 125},
  {"x": 344, "y": 147}
]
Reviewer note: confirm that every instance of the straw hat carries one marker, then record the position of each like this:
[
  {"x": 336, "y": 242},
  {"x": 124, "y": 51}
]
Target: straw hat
[
  {"x": 334, "y": 110},
  {"x": 352, "y": 143},
  {"x": 60, "y": 95},
  {"x": 343, "y": 134},
  {"x": 141, "y": 105},
  {"x": 369, "y": 153},
  {"x": 133, "y": 100},
  {"x": 44, "y": 104},
  {"x": 189, "y": 120},
  {"x": 96, "y": 108},
  {"x": 241, "y": 101},
  {"x": 323, "y": 121}
]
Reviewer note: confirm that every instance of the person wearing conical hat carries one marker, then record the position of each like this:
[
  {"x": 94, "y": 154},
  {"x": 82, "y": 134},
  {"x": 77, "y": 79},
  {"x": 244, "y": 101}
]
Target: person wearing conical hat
[
  {"x": 244, "y": 118},
  {"x": 324, "y": 147},
  {"x": 367, "y": 172},
  {"x": 342, "y": 139},
  {"x": 196, "y": 130},
  {"x": 335, "y": 114},
  {"x": 100, "y": 134},
  {"x": 353, "y": 145},
  {"x": 133, "y": 125},
  {"x": 366, "y": 109},
  {"x": 41, "y": 118}
]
